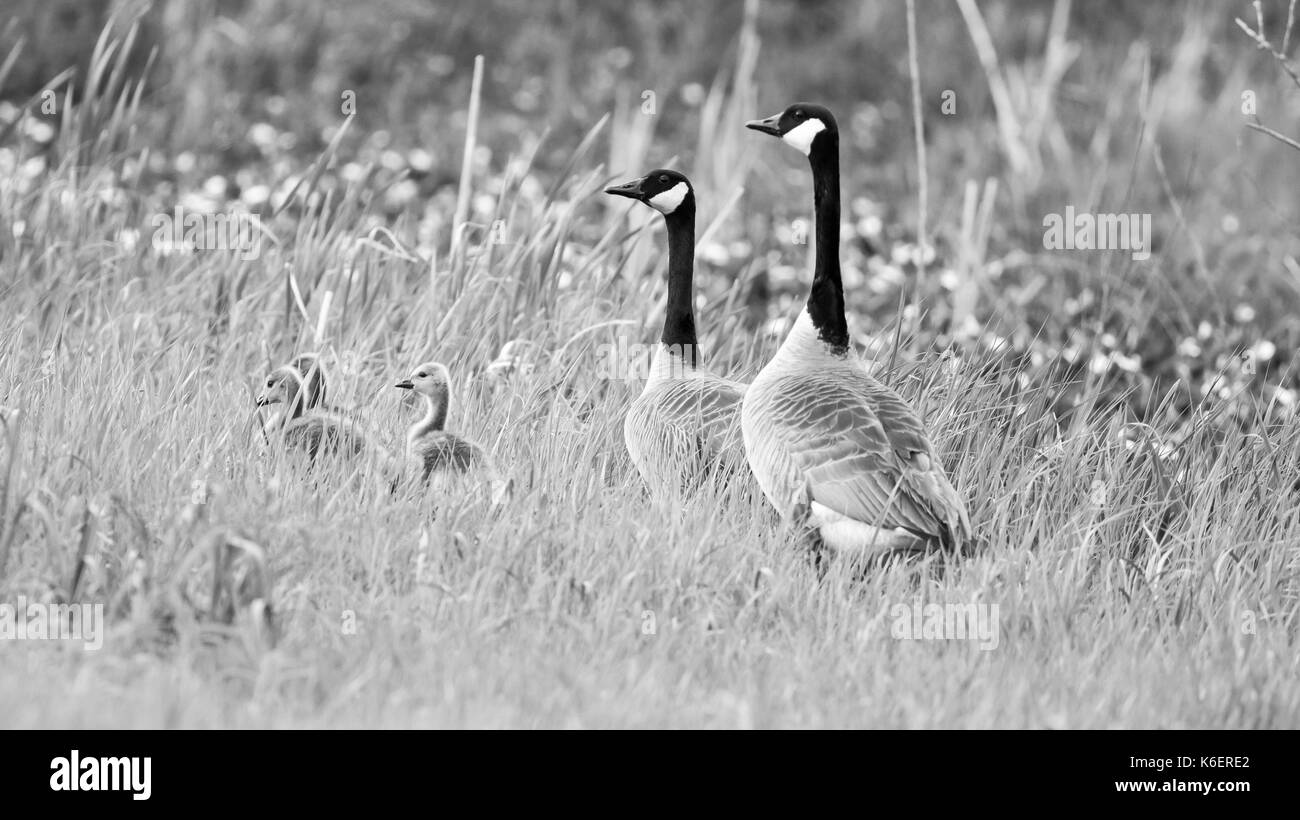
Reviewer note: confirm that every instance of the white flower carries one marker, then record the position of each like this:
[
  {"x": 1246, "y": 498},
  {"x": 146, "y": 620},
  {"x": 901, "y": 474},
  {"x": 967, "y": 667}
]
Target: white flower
[
  {"x": 262, "y": 135},
  {"x": 38, "y": 130},
  {"x": 420, "y": 160},
  {"x": 255, "y": 195},
  {"x": 1263, "y": 350},
  {"x": 715, "y": 253},
  {"x": 215, "y": 186},
  {"x": 1129, "y": 364},
  {"x": 402, "y": 193},
  {"x": 777, "y": 328}
]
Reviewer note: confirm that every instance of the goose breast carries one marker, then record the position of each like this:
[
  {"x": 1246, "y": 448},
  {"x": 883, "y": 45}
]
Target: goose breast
[
  {"x": 440, "y": 451},
  {"x": 681, "y": 427}
]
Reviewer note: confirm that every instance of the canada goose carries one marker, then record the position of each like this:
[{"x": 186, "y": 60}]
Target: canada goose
[
  {"x": 428, "y": 445},
  {"x": 313, "y": 380},
  {"x": 686, "y": 418},
  {"x": 306, "y": 372},
  {"x": 302, "y": 424},
  {"x": 831, "y": 446},
  {"x": 517, "y": 356}
]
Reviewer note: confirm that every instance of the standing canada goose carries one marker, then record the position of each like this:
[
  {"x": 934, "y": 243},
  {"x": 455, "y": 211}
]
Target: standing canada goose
[
  {"x": 428, "y": 445},
  {"x": 830, "y": 446},
  {"x": 303, "y": 424},
  {"x": 686, "y": 418}
]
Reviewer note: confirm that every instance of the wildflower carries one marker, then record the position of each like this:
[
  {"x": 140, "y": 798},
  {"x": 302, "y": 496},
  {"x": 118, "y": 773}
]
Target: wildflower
[
  {"x": 1189, "y": 348},
  {"x": 1263, "y": 350}
]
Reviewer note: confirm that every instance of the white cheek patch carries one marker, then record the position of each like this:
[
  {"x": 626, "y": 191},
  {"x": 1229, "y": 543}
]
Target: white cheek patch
[
  {"x": 667, "y": 202},
  {"x": 801, "y": 137}
]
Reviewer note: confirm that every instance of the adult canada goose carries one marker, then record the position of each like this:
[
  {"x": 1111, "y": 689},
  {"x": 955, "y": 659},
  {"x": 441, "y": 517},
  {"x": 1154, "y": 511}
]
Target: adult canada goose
[
  {"x": 302, "y": 424},
  {"x": 432, "y": 449},
  {"x": 686, "y": 418},
  {"x": 831, "y": 446}
]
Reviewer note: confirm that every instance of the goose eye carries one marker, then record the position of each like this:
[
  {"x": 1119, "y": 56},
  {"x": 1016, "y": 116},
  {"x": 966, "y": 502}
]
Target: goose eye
[{"x": 663, "y": 177}]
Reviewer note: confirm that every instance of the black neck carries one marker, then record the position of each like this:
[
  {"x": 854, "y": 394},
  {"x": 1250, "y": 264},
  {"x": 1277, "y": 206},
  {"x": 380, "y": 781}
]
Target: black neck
[
  {"x": 826, "y": 298},
  {"x": 679, "y": 318}
]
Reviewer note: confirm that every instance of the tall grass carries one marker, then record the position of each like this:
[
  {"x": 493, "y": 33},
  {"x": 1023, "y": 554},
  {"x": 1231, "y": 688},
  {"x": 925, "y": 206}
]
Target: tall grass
[{"x": 1144, "y": 564}]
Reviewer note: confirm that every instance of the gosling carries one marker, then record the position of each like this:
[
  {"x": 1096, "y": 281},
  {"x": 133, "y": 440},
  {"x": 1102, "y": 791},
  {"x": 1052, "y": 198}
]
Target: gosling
[
  {"x": 430, "y": 449},
  {"x": 427, "y": 443},
  {"x": 303, "y": 424}
]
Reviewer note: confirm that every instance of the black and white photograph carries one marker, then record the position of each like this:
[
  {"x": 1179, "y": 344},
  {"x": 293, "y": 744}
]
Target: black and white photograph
[{"x": 595, "y": 365}]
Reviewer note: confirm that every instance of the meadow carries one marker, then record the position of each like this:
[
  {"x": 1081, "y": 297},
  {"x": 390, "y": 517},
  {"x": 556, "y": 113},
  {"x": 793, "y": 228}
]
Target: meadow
[{"x": 1124, "y": 429}]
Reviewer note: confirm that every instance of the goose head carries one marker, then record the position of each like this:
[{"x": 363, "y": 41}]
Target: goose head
[
  {"x": 662, "y": 189},
  {"x": 432, "y": 381},
  {"x": 429, "y": 379},
  {"x": 284, "y": 385},
  {"x": 802, "y": 126}
]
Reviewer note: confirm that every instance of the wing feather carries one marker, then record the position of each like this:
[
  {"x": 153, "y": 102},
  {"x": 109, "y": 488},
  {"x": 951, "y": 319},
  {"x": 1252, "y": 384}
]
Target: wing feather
[
  {"x": 853, "y": 445},
  {"x": 679, "y": 428}
]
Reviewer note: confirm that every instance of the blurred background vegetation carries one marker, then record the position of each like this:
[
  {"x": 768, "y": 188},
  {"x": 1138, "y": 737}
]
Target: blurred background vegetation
[{"x": 1108, "y": 106}]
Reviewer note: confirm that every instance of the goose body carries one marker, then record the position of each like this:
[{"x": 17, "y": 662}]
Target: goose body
[
  {"x": 304, "y": 424},
  {"x": 832, "y": 447},
  {"x": 685, "y": 423},
  {"x": 287, "y": 394}
]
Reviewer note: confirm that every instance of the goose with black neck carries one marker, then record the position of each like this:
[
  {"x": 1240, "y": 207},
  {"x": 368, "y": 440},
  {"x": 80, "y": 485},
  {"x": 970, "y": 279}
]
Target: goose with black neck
[
  {"x": 685, "y": 424},
  {"x": 833, "y": 449}
]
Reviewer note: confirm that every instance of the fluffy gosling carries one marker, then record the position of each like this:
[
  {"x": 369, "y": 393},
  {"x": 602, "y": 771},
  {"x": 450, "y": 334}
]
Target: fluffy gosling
[{"x": 302, "y": 424}]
